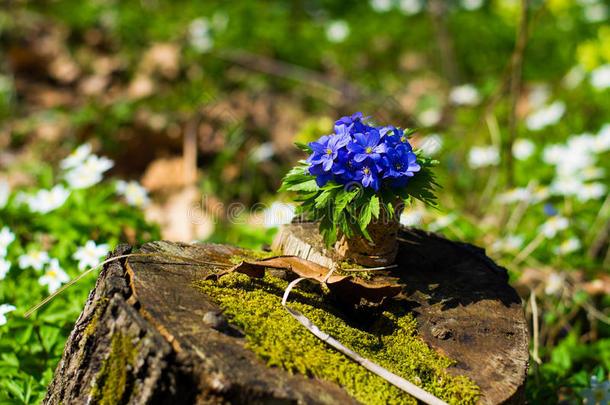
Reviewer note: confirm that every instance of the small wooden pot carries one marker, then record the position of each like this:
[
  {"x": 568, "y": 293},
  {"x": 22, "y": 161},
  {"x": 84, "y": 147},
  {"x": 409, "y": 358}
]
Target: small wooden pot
[{"x": 384, "y": 248}]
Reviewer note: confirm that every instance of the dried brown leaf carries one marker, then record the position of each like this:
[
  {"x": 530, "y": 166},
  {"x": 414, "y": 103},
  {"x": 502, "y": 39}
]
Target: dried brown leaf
[{"x": 346, "y": 288}]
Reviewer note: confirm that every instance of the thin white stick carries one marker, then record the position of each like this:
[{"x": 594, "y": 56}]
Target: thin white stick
[
  {"x": 387, "y": 375},
  {"x": 112, "y": 259},
  {"x": 529, "y": 249},
  {"x": 535, "y": 326}
]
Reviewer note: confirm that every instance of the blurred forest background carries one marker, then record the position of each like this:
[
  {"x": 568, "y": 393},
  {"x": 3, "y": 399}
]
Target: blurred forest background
[{"x": 136, "y": 120}]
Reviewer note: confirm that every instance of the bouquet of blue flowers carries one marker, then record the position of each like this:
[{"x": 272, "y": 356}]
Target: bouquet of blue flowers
[{"x": 359, "y": 174}]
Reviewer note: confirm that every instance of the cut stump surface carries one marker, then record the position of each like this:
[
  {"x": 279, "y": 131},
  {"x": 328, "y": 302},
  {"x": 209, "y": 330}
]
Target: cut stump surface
[
  {"x": 463, "y": 303},
  {"x": 141, "y": 338}
]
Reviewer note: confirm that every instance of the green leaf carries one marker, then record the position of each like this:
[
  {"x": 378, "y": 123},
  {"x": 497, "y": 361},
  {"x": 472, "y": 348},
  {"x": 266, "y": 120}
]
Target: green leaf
[
  {"x": 304, "y": 147},
  {"x": 374, "y": 204}
]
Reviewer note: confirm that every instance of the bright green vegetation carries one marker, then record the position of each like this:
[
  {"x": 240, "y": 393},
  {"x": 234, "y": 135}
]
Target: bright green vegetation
[{"x": 391, "y": 341}]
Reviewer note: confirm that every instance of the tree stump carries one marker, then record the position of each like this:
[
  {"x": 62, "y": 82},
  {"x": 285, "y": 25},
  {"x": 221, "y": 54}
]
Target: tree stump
[
  {"x": 141, "y": 338},
  {"x": 465, "y": 307}
]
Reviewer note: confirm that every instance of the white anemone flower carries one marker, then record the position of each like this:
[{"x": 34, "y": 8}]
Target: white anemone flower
[
  {"x": 90, "y": 254},
  {"x": 135, "y": 194},
  {"x": 601, "y": 143},
  {"x": 600, "y": 77},
  {"x": 5, "y": 193},
  {"x": 430, "y": 117},
  {"x": 5, "y": 266},
  {"x": 6, "y": 238},
  {"x": 89, "y": 172},
  {"x": 337, "y": 31},
  {"x": 545, "y": 116},
  {"x": 410, "y": 7},
  {"x": 554, "y": 284},
  {"x": 200, "y": 36},
  {"x": 35, "y": 259},
  {"x": 77, "y": 157},
  {"x": 516, "y": 194},
  {"x": 412, "y": 217},
  {"x": 54, "y": 277},
  {"x": 465, "y": 94},
  {"x": 523, "y": 149},
  {"x": 553, "y": 154},
  {"x": 553, "y": 225},
  {"x": 431, "y": 144},
  {"x": 45, "y": 201},
  {"x": 381, "y": 6},
  {"x": 472, "y": 5},
  {"x": 5, "y": 309},
  {"x": 574, "y": 77},
  {"x": 481, "y": 156},
  {"x": 442, "y": 221},
  {"x": 566, "y": 185},
  {"x": 568, "y": 246},
  {"x": 591, "y": 191},
  {"x": 278, "y": 214},
  {"x": 592, "y": 173},
  {"x": 511, "y": 243}
]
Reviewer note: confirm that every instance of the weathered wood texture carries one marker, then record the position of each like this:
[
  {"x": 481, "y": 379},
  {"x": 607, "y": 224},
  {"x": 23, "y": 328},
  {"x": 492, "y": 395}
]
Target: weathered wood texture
[
  {"x": 177, "y": 358},
  {"x": 464, "y": 305}
]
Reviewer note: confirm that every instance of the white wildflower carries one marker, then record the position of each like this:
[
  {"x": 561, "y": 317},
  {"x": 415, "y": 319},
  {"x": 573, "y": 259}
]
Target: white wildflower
[
  {"x": 545, "y": 116},
  {"x": 199, "y": 35},
  {"x": 511, "y": 243},
  {"x": 567, "y": 246},
  {"x": 553, "y": 154},
  {"x": 472, "y": 4},
  {"x": 592, "y": 173},
  {"x": 523, "y": 149},
  {"x": 77, "y": 157},
  {"x": 4, "y": 309},
  {"x": 134, "y": 193},
  {"x": 278, "y": 214},
  {"x": 337, "y": 31},
  {"x": 566, "y": 185},
  {"x": 410, "y": 7},
  {"x": 5, "y": 192},
  {"x": 596, "y": 12},
  {"x": 600, "y": 77},
  {"x": 6, "y": 238},
  {"x": 90, "y": 254},
  {"x": 381, "y": 6},
  {"x": 35, "y": 259},
  {"x": 54, "y": 277},
  {"x": 45, "y": 201},
  {"x": 465, "y": 94},
  {"x": 515, "y": 194},
  {"x": 541, "y": 193},
  {"x": 431, "y": 144},
  {"x": 601, "y": 143},
  {"x": 554, "y": 284},
  {"x": 591, "y": 191},
  {"x": 442, "y": 222},
  {"x": 481, "y": 156},
  {"x": 573, "y": 163},
  {"x": 539, "y": 95},
  {"x": 430, "y": 117},
  {"x": 5, "y": 266},
  {"x": 553, "y": 225},
  {"x": 412, "y": 217},
  {"x": 263, "y": 152},
  {"x": 574, "y": 77},
  {"x": 89, "y": 172}
]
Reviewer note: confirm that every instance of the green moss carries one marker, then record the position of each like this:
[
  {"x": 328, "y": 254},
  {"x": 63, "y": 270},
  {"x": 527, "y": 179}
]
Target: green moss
[
  {"x": 248, "y": 254},
  {"x": 391, "y": 341},
  {"x": 113, "y": 385},
  {"x": 95, "y": 318}
]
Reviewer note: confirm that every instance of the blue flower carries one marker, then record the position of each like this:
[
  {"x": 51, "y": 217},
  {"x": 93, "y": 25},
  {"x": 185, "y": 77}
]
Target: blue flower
[
  {"x": 367, "y": 146},
  {"x": 400, "y": 164},
  {"x": 326, "y": 149},
  {"x": 369, "y": 174}
]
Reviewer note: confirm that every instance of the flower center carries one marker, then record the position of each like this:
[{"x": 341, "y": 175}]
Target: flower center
[
  {"x": 329, "y": 151},
  {"x": 398, "y": 166},
  {"x": 369, "y": 150},
  {"x": 366, "y": 170},
  {"x": 403, "y": 139}
]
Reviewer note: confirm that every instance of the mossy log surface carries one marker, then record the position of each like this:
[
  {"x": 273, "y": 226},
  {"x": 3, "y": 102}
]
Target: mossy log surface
[
  {"x": 141, "y": 338},
  {"x": 464, "y": 306}
]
